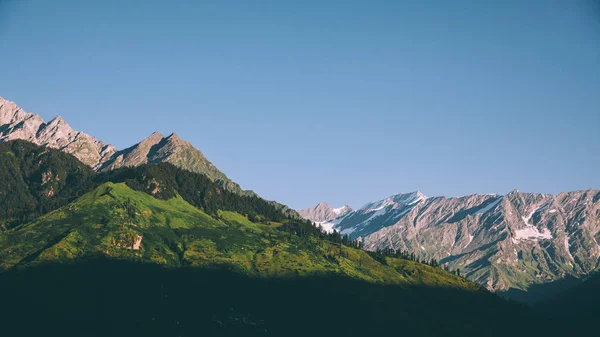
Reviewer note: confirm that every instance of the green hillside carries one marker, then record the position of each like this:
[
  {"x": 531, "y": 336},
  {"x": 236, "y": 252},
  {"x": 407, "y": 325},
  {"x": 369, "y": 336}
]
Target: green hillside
[
  {"x": 122, "y": 262},
  {"x": 159, "y": 251},
  {"x": 117, "y": 222}
]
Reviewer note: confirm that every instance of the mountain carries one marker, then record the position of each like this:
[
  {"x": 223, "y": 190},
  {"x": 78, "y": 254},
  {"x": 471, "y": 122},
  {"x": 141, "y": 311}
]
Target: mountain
[
  {"x": 172, "y": 149},
  {"x": 507, "y": 243},
  {"x": 361, "y": 222},
  {"x": 17, "y": 124},
  {"x": 97, "y": 260},
  {"x": 36, "y": 180},
  {"x": 324, "y": 212},
  {"x": 157, "y": 250}
]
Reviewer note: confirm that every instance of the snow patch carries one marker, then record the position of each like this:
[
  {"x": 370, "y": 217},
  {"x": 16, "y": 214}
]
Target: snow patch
[
  {"x": 530, "y": 232},
  {"x": 406, "y": 199},
  {"x": 468, "y": 243},
  {"x": 567, "y": 245},
  {"x": 339, "y": 210},
  {"x": 527, "y": 218},
  {"x": 327, "y": 225},
  {"x": 489, "y": 207}
]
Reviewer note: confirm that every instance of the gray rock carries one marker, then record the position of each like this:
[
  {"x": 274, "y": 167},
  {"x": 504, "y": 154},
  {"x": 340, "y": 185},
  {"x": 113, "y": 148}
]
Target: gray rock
[
  {"x": 324, "y": 212},
  {"x": 512, "y": 241},
  {"x": 17, "y": 124}
]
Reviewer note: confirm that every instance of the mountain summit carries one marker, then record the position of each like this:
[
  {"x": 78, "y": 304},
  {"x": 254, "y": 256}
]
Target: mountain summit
[
  {"x": 17, "y": 124},
  {"x": 323, "y": 212},
  {"x": 370, "y": 217},
  {"x": 171, "y": 149}
]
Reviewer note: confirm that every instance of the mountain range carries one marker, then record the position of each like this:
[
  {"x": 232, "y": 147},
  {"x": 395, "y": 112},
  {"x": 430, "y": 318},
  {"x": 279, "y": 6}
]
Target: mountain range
[
  {"x": 508, "y": 243},
  {"x": 155, "y": 240},
  {"x": 58, "y": 134},
  {"x": 157, "y": 250}
]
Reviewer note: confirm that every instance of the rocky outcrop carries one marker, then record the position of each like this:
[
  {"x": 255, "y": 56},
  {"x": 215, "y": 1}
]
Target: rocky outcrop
[{"x": 17, "y": 124}]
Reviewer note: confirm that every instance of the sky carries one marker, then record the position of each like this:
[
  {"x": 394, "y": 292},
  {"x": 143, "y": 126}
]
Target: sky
[{"x": 336, "y": 101}]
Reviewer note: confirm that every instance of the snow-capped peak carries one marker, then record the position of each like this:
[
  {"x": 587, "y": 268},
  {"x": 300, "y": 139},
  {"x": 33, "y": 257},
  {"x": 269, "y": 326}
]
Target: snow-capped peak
[
  {"x": 342, "y": 210},
  {"x": 403, "y": 199}
]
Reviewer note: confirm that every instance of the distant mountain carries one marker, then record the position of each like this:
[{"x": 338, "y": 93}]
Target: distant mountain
[
  {"x": 362, "y": 222},
  {"x": 503, "y": 242},
  {"x": 324, "y": 212}
]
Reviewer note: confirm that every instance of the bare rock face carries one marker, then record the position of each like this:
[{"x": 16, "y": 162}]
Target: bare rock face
[
  {"x": 17, "y": 124},
  {"x": 324, "y": 212},
  {"x": 172, "y": 149},
  {"x": 512, "y": 241}
]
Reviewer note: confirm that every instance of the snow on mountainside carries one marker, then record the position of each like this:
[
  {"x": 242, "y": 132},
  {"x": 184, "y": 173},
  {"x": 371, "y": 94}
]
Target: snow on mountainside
[
  {"x": 324, "y": 212},
  {"x": 377, "y": 213},
  {"x": 502, "y": 242}
]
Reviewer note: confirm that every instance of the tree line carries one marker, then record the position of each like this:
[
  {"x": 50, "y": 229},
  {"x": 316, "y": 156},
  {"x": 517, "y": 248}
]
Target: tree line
[{"x": 36, "y": 180}]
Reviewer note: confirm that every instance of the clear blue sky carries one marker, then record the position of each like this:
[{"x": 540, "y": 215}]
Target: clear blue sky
[{"x": 337, "y": 101}]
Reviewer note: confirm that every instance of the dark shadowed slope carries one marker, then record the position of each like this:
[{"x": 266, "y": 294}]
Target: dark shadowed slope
[{"x": 116, "y": 298}]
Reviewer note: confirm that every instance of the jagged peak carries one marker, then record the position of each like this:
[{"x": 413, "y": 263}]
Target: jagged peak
[
  {"x": 418, "y": 193},
  {"x": 57, "y": 120},
  {"x": 343, "y": 209},
  {"x": 6, "y": 101},
  {"x": 411, "y": 197},
  {"x": 155, "y": 137},
  {"x": 174, "y": 137},
  {"x": 402, "y": 198}
]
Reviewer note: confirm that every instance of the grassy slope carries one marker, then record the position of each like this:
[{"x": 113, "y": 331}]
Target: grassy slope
[
  {"x": 109, "y": 220},
  {"x": 157, "y": 290}
]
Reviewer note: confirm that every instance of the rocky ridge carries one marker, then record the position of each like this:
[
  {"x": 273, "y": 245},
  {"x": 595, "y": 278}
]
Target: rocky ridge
[
  {"x": 503, "y": 242},
  {"x": 18, "y": 124},
  {"x": 323, "y": 212}
]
